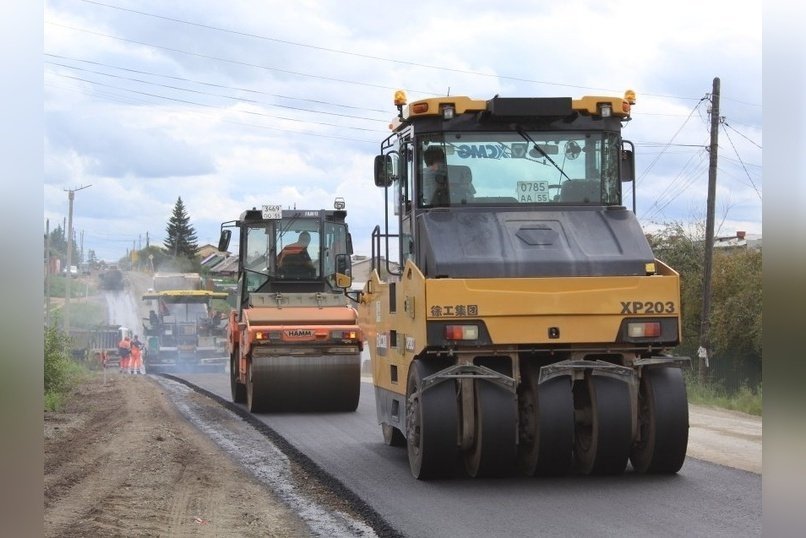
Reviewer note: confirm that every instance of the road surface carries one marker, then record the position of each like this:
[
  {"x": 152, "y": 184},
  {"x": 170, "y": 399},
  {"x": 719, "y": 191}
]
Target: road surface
[{"x": 703, "y": 499}]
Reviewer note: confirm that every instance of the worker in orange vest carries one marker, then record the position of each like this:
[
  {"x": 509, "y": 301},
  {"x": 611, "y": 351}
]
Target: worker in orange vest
[
  {"x": 296, "y": 254},
  {"x": 136, "y": 362},
  {"x": 125, "y": 352}
]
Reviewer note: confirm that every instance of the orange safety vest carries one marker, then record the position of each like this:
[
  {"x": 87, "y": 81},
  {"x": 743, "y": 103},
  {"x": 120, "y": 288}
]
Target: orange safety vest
[
  {"x": 290, "y": 250},
  {"x": 125, "y": 346}
]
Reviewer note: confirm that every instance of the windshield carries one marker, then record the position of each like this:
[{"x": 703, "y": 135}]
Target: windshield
[
  {"x": 188, "y": 312},
  {"x": 519, "y": 168},
  {"x": 286, "y": 249}
]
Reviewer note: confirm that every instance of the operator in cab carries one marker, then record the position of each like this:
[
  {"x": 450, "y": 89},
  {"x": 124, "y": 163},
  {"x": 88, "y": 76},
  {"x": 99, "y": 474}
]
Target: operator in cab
[{"x": 294, "y": 259}]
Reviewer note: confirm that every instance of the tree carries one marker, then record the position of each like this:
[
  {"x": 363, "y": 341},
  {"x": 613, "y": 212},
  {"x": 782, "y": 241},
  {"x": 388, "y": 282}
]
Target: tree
[
  {"x": 736, "y": 317},
  {"x": 58, "y": 242},
  {"x": 181, "y": 239}
]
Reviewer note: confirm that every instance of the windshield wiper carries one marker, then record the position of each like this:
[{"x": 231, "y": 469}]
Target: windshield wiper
[{"x": 528, "y": 138}]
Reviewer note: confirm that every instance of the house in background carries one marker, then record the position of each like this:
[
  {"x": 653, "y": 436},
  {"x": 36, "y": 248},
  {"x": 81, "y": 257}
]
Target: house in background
[
  {"x": 206, "y": 250},
  {"x": 739, "y": 241},
  {"x": 362, "y": 267}
]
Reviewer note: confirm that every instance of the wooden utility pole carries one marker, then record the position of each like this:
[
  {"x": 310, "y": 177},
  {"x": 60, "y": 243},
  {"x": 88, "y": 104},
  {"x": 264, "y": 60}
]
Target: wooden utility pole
[
  {"x": 71, "y": 194},
  {"x": 705, "y": 323},
  {"x": 47, "y": 273}
]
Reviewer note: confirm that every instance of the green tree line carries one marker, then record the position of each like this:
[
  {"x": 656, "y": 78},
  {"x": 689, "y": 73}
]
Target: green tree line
[{"x": 735, "y": 331}]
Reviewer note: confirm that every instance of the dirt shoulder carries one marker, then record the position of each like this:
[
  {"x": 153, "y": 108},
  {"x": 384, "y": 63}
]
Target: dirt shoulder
[
  {"x": 725, "y": 437},
  {"x": 121, "y": 460}
]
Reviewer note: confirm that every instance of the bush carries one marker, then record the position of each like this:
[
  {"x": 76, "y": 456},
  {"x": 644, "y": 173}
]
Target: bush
[
  {"x": 60, "y": 372},
  {"x": 56, "y": 359}
]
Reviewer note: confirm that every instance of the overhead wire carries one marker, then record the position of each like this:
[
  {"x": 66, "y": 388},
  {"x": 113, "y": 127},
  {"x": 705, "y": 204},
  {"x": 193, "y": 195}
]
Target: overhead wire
[
  {"x": 750, "y": 179},
  {"x": 364, "y": 55},
  {"x": 668, "y": 144},
  {"x": 725, "y": 123},
  {"x": 236, "y": 62},
  {"x": 128, "y": 100},
  {"x": 686, "y": 178},
  {"x": 214, "y": 85},
  {"x": 229, "y": 97}
]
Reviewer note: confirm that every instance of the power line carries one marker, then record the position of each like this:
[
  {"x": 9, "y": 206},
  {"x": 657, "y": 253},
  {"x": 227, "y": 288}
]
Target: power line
[
  {"x": 237, "y": 62},
  {"x": 668, "y": 144},
  {"x": 199, "y": 92},
  {"x": 687, "y": 176},
  {"x": 367, "y": 56},
  {"x": 185, "y": 101},
  {"x": 724, "y": 123},
  {"x": 128, "y": 100},
  {"x": 743, "y": 166},
  {"x": 214, "y": 85}
]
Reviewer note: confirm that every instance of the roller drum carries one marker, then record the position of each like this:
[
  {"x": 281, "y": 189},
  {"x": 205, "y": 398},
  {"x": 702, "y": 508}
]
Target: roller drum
[{"x": 306, "y": 383}]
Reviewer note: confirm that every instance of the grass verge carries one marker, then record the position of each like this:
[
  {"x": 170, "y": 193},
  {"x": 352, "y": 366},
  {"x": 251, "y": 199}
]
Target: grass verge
[{"x": 746, "y": 399}]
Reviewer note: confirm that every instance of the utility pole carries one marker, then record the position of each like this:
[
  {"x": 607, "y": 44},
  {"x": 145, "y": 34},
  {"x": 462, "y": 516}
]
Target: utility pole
[
  {"x": 71, "y": 194},
  {"x": 47, "y": 273},
  {"x": 705, "y": 321}
]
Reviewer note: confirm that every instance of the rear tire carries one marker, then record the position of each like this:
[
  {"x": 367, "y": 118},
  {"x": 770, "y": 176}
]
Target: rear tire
[
  {"x": 603, "y": 432},
  {"x": 546, "y": 425},
  {"x": 662, "y": 422},
  {"x": 494, "y": 449}
]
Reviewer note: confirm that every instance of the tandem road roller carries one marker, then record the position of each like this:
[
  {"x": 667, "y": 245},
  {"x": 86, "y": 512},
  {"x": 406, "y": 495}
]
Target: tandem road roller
[
  {"x": 529, "y": 325},
  {"x": 294, "y": 342}
]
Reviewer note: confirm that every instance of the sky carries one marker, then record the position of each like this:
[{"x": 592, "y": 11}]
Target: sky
[{"x": 231, "y": 105}]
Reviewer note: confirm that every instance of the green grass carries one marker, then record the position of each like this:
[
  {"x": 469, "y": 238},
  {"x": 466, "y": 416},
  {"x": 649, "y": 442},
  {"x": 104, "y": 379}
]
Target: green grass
[
  {"x": 78, "y": 287},
  {"x": 746, "y": 400},
  {"x": 72, "y": 374},
  {"x": 87, "y": 315}
]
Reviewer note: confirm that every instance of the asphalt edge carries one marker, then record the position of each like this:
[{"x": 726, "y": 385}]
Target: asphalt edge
[{"x": 375, "y": 520}]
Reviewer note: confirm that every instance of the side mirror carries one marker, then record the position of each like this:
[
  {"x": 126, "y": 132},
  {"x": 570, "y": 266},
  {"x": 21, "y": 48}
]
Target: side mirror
[
  {"x": 344, "y": 271},
  {"x": 223, "y": 241},
  {"x": 627, "y": 167},
  {"x": 384, "y": 170}
]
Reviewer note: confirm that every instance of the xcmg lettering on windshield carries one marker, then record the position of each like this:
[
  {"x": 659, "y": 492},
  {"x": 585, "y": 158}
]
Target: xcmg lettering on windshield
[{"x": 483, "y": 151}]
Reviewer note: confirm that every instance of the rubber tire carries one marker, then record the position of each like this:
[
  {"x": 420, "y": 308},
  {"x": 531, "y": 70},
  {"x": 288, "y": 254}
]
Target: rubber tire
[
  {"x": 604, "y": 449},
  {"x": 662, "y": 421},
  {"x": 546, "y": 441},
  {"x": 431, "y": 422},
  {"x": 494, "y": 450},
  {"x": 238, "y": 390}
]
